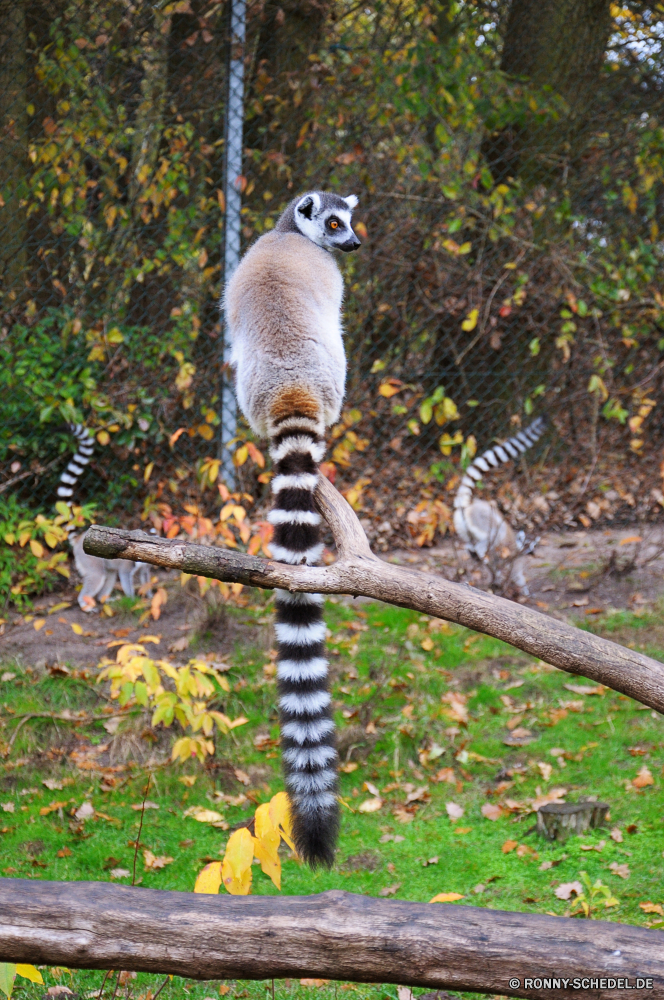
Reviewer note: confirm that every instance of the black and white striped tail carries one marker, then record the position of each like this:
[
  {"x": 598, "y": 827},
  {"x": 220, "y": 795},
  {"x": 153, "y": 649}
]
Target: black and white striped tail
[
  {"x": 84, "y": 452},
  {"x": 307, "y": 730},
  {"x": 514, "y": 447}
]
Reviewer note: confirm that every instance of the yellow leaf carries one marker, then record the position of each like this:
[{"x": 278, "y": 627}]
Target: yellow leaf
[
  {"x": 630, "y": 540},
  {"x": 465, "y": 248},
  {"x": 148, "y": 471},
  {"x": 38, "y": 623},
  {"x": 103, "y": 437},
  {"x": 470, "y": 322},
  {"x": 209, "y": 879},
  {"x": 281, "y": 817},
  {"x": 241, "y": 455},
  {"x": 29, "y": 972},
  {"x": 387, "y": 389},
  {"x": 652, "y": 908},
  {"x": 236, "y": 866},
  {"x": 205, "y": 431},
  {"x": 266, "y": 843},
  {"x": 77, "y": 628},
  {"x": 446, "y": 897},
  {"x": 37, "y": 548}
]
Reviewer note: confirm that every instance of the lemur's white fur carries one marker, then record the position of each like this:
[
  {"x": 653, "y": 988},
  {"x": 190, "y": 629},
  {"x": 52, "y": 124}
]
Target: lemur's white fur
[
  {"x": 283, "y": 316},
  {"x": 478, "y": 523},
  {"x": 99, "y": 575}
]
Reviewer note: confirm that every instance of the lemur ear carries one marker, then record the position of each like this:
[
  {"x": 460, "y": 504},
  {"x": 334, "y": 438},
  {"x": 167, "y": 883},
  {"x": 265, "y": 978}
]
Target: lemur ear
[
  {"x": 352, "y": 201},
  {"x": 308, "y": 205}
]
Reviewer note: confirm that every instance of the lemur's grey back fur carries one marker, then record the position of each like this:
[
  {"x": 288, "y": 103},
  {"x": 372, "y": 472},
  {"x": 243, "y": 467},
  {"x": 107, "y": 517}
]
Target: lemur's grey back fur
[{"x": 283, "y": 313}]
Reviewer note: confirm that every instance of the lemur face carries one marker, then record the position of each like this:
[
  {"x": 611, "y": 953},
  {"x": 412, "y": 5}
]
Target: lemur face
[{"x": 326, "y": 221}]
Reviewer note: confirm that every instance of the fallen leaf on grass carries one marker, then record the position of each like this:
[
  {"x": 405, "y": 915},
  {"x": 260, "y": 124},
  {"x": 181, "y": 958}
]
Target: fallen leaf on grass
[
  {"x": 401, "y": 815},
  {"x": 119, "y": 873},
  {"x": 313, "y": 982},
  {"x": 202, "y": 815},
  {"x": 371, "y": 805},
  {"x": 387, "y": 837},
  {"x": 446, "y": 774},
  {"x": 7, "y": 676},
  {"x": 491, "y": 812},
  {"x": 461, "y": 830},
  {"x": 390, "y": 890},
  {"x": 622, "y": 871},
  {"x": 8, "y": 807},
  {"x": 585, "y": 688},
  {"x": 419, "y": 795},
  {"x": 446, "y": 897},
  {"x": 454, "y": 811},
  {"x": 509, "y": 845},
  {"x": 38, "y": 624},
  {"x": 84, "y": 811},
  {"x": 56, "y": 991},
  {"x": 346, "y": 768},
  {"x": 565, "y": 890},
  {"x": 555, "y": 795},
  {"x": 458, "y": 710},
  {"x": 144, "y": 805},
  {"x": 154, "y": 863},
  {"x": 616, "y": 834},
  {"x": 188, "y": 779},
  {"x": 53, "y": 806},
  {"x": 546, "y": 770},
  {"x": 54, "y": 785},
  {"x": 643, "y": 778},
  {"x": 652, "y": 908},
  {"x": 594, "y": 847}
]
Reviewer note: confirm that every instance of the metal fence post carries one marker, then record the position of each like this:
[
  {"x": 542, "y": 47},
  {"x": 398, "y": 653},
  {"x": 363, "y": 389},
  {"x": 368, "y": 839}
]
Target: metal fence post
[{"x": 233, "y": 200}]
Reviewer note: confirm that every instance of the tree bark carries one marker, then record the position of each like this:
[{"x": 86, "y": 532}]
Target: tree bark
[
  {"x": 359, "y": 572},
  {"x": 334, "y": 935},
  {"x": 558, "y": 43},
  {"x": 13, "y": 149}
]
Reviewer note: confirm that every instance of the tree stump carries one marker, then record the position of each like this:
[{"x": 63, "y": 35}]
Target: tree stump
[{"x": 559, "y": 820}]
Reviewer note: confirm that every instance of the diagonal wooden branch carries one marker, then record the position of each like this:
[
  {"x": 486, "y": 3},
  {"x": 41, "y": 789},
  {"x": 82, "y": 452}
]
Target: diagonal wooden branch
[{"x": 359, "y": 572}]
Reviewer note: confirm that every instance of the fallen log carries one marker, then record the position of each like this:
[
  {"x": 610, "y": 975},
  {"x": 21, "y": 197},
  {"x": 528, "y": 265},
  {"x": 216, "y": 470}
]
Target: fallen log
[
  {"x": 334, "y": 935},
  {"x": 359, "y": 572}
]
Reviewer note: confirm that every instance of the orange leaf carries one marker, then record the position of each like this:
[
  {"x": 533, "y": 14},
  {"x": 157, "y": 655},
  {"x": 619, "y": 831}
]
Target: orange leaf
[{"x": 446, "y": 897}]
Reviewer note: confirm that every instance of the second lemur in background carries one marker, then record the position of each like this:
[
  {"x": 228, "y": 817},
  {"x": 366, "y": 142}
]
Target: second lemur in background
[
  {"x": 283, "y": 314},
  {"x": 98, "y": 575},
  {"x": 478, "y": 523}
]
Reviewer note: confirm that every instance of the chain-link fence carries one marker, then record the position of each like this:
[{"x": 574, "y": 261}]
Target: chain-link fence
[{"x": 509, "y": 161}]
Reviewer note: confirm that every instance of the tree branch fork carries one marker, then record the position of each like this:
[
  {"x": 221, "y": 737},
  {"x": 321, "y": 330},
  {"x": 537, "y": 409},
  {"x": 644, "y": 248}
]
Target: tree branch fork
[{"x": 359, "y": 572}]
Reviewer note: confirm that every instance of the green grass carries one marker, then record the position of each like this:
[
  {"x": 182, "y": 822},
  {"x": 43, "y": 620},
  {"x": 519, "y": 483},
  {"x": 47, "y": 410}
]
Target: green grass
[{"x": 383, "y": 677}]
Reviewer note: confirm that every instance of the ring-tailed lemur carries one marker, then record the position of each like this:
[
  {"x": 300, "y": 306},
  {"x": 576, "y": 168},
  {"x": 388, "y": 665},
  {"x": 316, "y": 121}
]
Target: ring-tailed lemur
[
  {"x": 480, "y": 526},
  {"x": 283, "y": 314},
  {"x": 99, "y": 575}
]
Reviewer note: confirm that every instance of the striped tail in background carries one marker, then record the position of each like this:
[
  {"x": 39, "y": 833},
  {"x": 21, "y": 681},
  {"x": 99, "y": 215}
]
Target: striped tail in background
[
  {"x": 84, "y": 452},
  {"x": 307, "y": 729},
  {"x": 514, "y": 447}
]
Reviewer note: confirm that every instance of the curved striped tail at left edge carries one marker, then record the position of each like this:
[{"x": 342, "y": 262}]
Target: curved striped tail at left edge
[{"x": 308, "y": 745}]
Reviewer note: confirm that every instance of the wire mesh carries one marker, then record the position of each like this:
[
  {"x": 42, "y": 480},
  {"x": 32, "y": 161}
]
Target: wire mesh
[{"x": 510, "y": 204}]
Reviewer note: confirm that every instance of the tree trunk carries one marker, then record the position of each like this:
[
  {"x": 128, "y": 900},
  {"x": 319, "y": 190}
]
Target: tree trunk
[
  {"x": 334, "y": 935},
  {"x": 13, "y": 149},
  {"x": 559, "y": 44}
]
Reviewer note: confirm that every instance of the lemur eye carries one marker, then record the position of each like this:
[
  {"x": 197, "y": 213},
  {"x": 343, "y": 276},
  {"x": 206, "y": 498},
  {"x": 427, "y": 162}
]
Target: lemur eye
[{"x": 333, "y": 224}]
